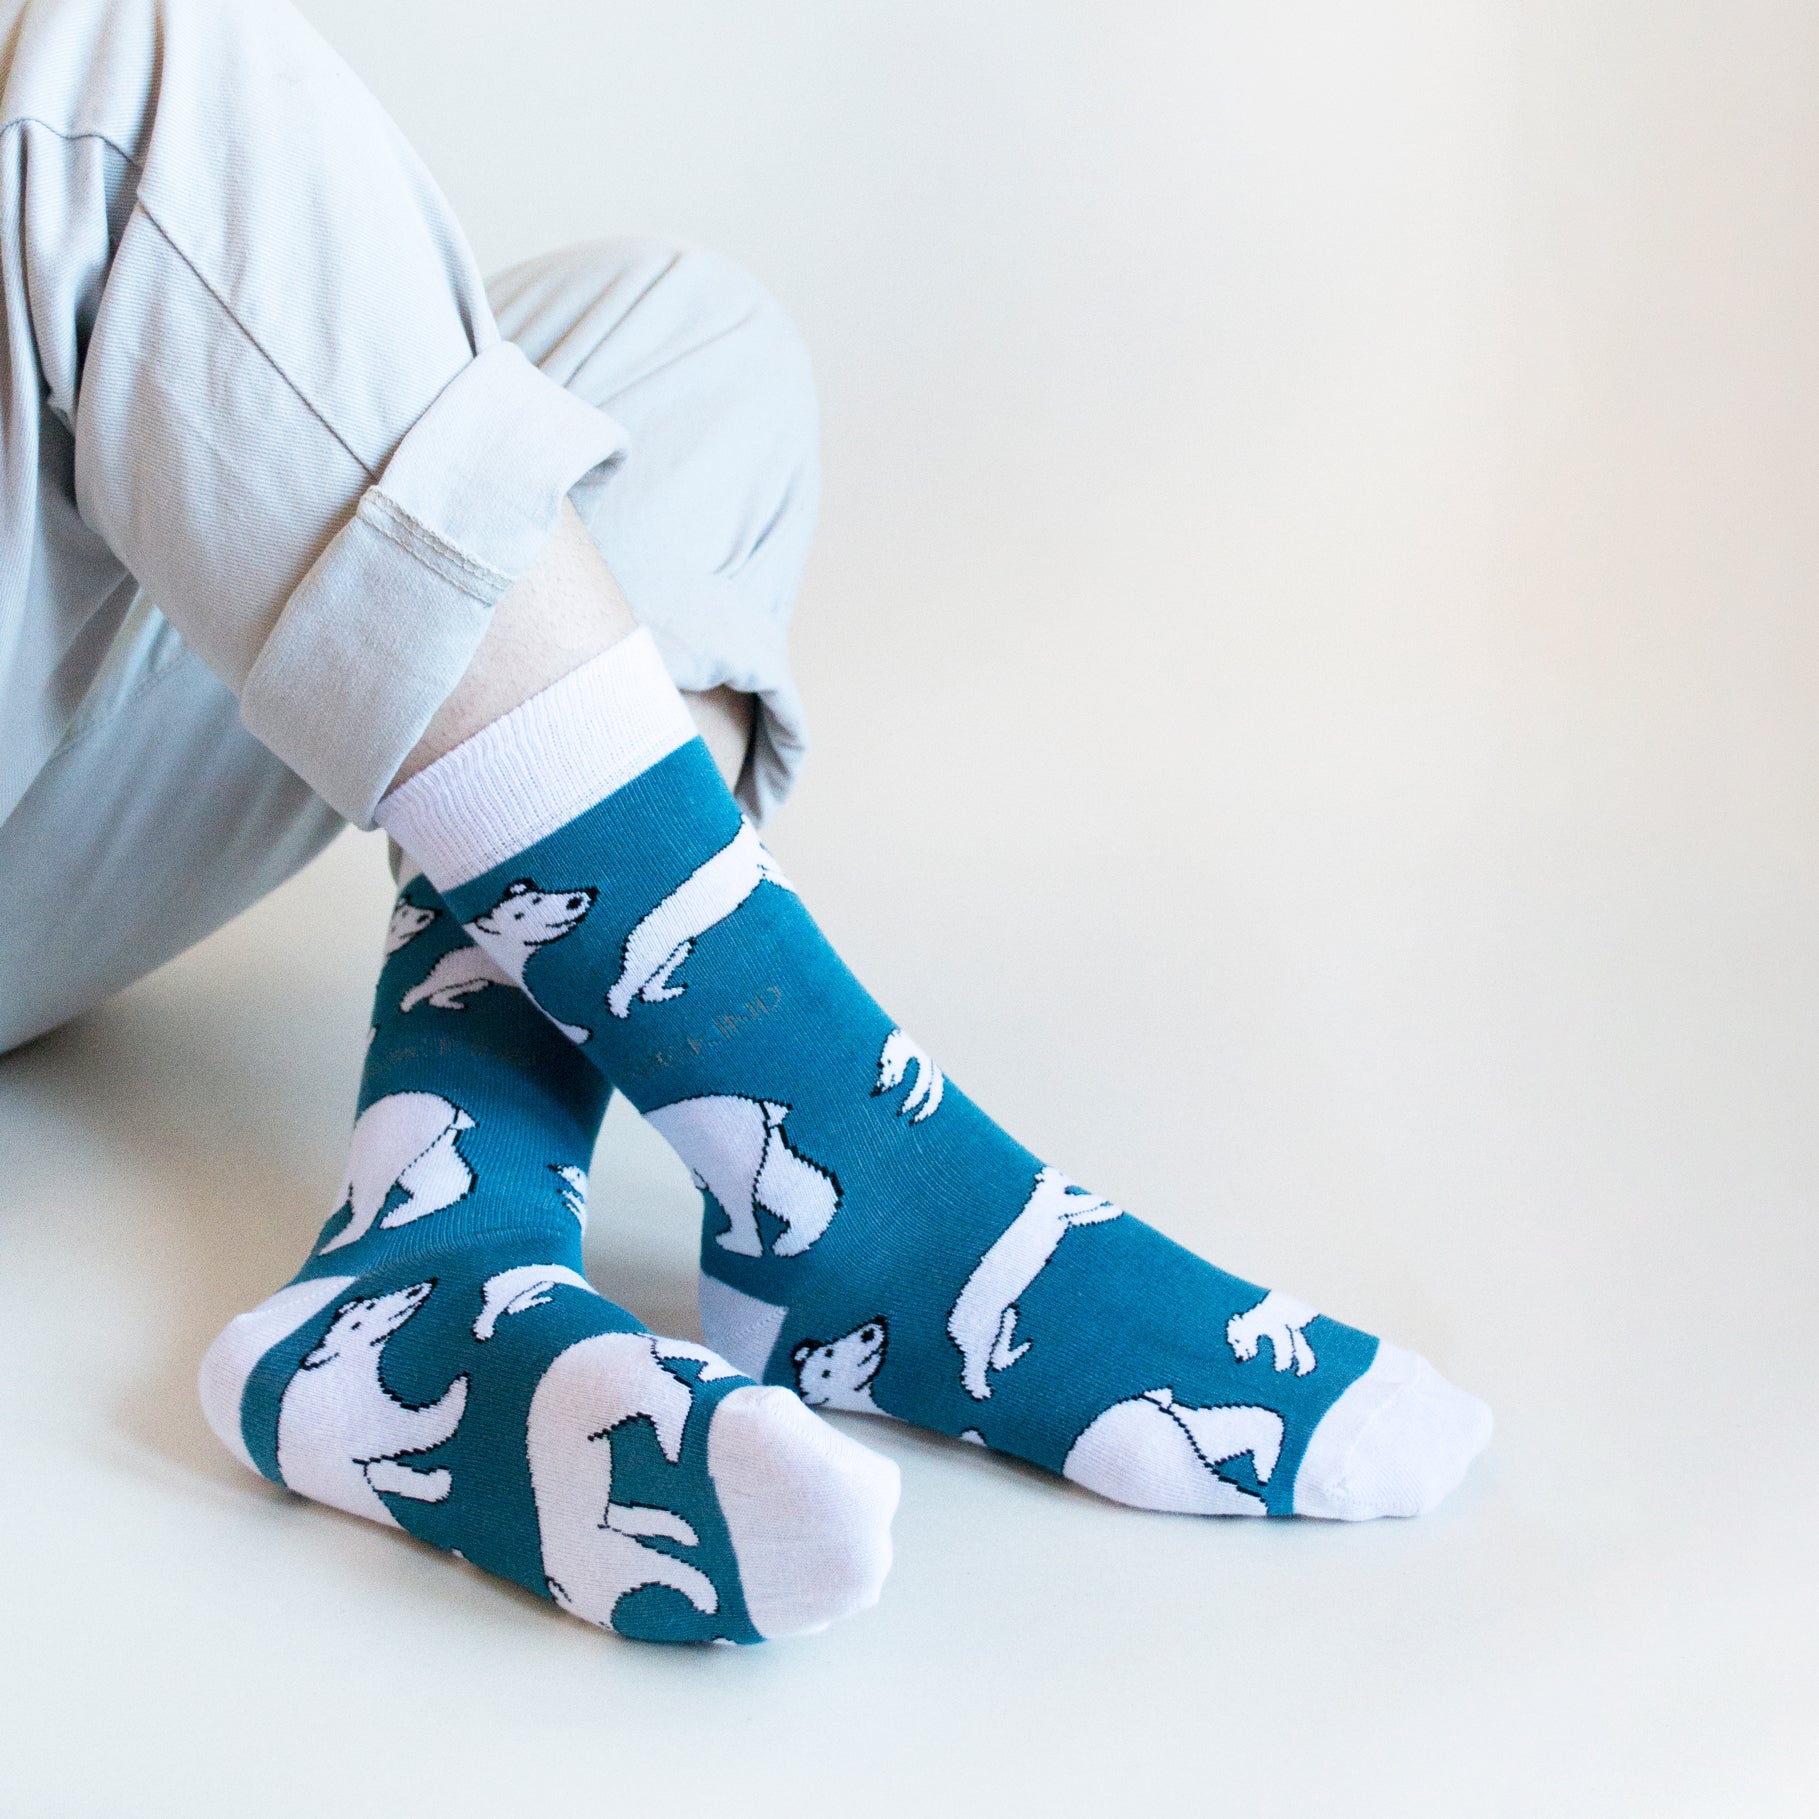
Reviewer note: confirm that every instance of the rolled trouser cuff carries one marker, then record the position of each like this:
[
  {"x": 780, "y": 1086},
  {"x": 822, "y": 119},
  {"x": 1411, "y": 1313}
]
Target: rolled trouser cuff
[{"x": 388, "y": 618}]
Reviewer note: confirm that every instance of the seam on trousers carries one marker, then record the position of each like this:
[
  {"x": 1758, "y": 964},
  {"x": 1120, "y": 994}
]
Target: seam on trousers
[
  {"x": 70, "y": 137},
  {"x": 478, "y": 580},
  {"x": 737, "y": 564},
  {"x": 253, "y": 340},
  {"x": 145, "y": 683},
  {"x": 687, "y": 353},
  {"x": 140, "y": 207},
  {"x": 675, "y": 259}
]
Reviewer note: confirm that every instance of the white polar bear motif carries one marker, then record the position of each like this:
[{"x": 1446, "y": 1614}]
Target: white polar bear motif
[
  {"x": 736, "y": 1150},
  {"x": 1278, "y": 1318},
  {"x": 516, "y": 1291},
  {"x": 1160, "y": 1454},
  {"x": 983, "y": 1323},
  {"x": 667, "y": 935},
  {"x": 839, "y": 1374},
  {"x": 407, "y": 923},
  {"x": 713, "y": 1366},
  {"x": 404, "y": 1140},
  {"x": 525, "y": 919},
  {"x": 573, "y": 1190},
  {"x": 342, "y": 1433},
  {"x": 901, "y": 1052},
  {"x": 460, "y": 972},
  {"x": 592, "y": 1554}
]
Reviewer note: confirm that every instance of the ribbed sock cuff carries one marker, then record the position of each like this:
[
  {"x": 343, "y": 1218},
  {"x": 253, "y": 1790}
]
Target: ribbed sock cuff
[{"x": 535, "y": 769}]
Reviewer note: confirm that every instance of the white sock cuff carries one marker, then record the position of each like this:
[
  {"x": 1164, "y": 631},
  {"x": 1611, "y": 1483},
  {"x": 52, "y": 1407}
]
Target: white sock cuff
[{"x": 538, "y": 767}]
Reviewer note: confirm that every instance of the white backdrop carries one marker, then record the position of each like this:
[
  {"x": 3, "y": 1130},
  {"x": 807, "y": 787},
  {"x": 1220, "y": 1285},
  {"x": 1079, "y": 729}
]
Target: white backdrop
[{"x": 1313, "y": 656}]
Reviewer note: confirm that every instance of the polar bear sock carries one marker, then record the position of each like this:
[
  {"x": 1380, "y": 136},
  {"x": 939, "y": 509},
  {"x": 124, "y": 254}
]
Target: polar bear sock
[
  {"x": 872, "y": 1239},
  {"x": 442, "y": 1364}
]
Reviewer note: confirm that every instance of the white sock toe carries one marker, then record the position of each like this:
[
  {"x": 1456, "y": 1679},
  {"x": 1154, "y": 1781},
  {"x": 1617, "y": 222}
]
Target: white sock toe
[
  {"x": 1394, "y": 1444},
  {"x": 808, "y": 1509},
  {"x": 230, "y": 1361}
]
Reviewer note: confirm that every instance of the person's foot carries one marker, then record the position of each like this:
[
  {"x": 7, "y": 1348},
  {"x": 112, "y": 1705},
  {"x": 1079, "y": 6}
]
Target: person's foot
[
  {"x": 873, "y": 1239},
  {"x": 1078, "y": 1337},
  {"x": 442, "y": 1364}
]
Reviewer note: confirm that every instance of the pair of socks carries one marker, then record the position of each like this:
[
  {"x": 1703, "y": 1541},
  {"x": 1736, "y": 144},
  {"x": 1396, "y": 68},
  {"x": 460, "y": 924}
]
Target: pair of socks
[
  {"x": 594, "y": 908},
  {"x": 442, "y": 1364}
]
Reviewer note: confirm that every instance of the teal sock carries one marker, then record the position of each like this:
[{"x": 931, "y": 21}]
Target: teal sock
[
  {"x": 442, "y": 1364},
  {"x": 872, "y": 1239}
]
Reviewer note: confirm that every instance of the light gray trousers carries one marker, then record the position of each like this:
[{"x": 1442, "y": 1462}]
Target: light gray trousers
[{"x": 251, "y": 375}]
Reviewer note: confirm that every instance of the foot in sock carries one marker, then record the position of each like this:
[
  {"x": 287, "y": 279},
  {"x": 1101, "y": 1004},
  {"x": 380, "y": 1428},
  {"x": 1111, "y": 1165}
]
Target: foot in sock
[
  {"x": 872, "y": 1239},
  {"x": 442, "y": 1364}
]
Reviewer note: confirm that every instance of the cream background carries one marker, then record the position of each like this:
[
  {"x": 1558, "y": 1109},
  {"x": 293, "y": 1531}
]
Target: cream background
[{"x": 1313, "y": 654}]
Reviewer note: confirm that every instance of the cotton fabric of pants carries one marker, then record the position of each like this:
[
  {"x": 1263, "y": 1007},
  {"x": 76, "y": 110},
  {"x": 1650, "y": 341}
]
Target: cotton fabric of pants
[{"x": 252, "y": 375}]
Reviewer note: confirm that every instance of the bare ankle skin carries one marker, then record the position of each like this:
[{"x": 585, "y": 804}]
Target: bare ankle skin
[{"x": 564, "y": 609}]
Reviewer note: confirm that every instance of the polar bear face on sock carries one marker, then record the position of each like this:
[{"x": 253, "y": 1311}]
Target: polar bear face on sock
[
  {"x": 343, "y": 1435},
  {"x": 407, "y": 923},
  {"x": 839, "y": 1374},
  {"x": 367, "y": 1323},
  {"x": 524, "y": 920},
  {"x": 527, "y": 918}
]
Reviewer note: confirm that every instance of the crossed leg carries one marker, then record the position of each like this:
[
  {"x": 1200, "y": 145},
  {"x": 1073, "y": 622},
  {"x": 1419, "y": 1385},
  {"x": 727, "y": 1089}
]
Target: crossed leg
[
  {"x": 265, "y": 388},
  {"x": 642, "y": 1484},
  {"x": 419, "y": 570}
]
